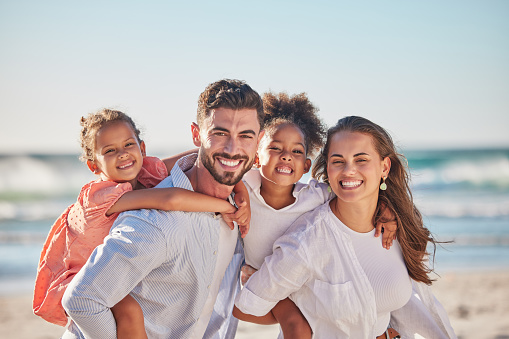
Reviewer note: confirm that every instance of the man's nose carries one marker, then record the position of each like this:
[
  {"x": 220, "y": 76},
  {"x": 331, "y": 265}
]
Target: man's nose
[{"x": 231, "y": 146}]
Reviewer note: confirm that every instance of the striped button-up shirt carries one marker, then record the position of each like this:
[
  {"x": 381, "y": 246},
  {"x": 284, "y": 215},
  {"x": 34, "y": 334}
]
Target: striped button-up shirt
[{"x": 166, "y": 261}]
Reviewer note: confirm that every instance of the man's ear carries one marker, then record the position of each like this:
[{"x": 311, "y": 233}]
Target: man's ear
[
  {"x": 142, "y": 148},
  {"x": 195, "y": 131},
  {"x": 93, "y": 167},
  {"x": 307, "y": 165},
  {"x": 260, "y": 136}
]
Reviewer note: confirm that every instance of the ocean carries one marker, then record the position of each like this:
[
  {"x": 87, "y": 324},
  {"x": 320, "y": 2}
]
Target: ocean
[{"x": 462, "y": 194}]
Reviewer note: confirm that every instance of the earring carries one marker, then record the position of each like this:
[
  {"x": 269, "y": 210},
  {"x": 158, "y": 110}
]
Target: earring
[
  {"x": 329, "y": 189},
  {"x": 256, "y": 161},
  {"x": 383, "y": 185}
]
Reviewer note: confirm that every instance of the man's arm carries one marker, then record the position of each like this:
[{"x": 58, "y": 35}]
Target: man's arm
[{"x": 133, "y": 249}]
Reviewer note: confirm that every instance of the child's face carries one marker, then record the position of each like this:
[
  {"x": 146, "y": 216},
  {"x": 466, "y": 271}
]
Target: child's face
[
  {"x": 118, "y": 156},
  {"x": 282, "y": 156}
]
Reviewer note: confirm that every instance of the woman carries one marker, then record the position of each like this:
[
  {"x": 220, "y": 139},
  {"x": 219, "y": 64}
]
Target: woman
[{"x": 329, "y": 263}]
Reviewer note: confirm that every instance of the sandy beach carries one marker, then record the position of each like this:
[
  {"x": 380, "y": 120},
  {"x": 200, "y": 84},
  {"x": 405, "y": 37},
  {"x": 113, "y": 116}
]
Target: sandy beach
[{"x": 477, "y": 303}]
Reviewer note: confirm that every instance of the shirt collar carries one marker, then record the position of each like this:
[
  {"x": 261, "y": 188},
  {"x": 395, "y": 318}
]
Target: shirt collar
[{"x": 178, "y": 176}]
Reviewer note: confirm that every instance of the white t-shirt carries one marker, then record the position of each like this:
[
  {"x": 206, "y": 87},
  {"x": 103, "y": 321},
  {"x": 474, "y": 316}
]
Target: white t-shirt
[
  {"x": 267, "y": 223},
  {"x": 386, "y": 272}
]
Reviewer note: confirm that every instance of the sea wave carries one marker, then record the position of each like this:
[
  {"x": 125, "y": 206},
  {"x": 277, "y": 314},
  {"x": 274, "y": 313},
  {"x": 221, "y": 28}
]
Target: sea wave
[{"x": 487, "y": 173}]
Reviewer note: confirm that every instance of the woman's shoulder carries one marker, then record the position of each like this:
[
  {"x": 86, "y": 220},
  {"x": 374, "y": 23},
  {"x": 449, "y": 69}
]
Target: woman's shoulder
[
  {"x": 315, "y": 189},
  {"x": 311, "y": 221}
]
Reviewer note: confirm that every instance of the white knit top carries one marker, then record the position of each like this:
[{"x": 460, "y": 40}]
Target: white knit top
[{"x": 386, "y": 272}]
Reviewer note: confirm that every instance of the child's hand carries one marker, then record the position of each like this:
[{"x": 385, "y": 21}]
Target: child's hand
[
  {"x": 245, "y": 273},
  {"x": 243, "y": 214},
  {"x": 228, "y": 214},
  {"x": 389, "y": 233}
]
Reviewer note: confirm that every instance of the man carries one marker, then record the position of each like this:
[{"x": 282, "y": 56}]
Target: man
[{"x": 173, "y": 262}]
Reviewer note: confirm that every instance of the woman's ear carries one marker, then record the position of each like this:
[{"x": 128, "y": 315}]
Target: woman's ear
[
  {"x": 142, "y": 148},
  {"x": 195, "y": 131},
  {"x": 307, "y": 165},
  {"x": 93, "y": 167},
  {"x": 386, "y": 166}
]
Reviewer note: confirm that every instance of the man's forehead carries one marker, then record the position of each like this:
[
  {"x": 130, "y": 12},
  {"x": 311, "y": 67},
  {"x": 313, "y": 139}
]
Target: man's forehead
[{"x": 227, "y": 118}]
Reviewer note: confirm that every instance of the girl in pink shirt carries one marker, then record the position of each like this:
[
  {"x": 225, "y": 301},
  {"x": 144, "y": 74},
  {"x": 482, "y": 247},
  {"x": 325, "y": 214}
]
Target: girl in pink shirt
[{"x": 113, "y": 150}]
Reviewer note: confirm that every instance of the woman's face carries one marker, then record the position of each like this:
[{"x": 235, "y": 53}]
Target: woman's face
[{"x": 354, "y": 167}]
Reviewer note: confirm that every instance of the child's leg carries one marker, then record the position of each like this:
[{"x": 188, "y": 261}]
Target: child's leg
[
  {"x": 129, "y": 318},
  {"x": 293, "y": 323}
]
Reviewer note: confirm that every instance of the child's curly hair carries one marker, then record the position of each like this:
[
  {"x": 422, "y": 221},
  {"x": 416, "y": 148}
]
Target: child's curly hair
[
  {"x": 93, "y": 123},
  {"x": 281, "y": 109}
]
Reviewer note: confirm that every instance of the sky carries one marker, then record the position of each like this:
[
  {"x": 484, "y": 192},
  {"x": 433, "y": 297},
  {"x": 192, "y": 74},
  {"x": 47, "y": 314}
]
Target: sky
[{"x": 435, "y": 74}]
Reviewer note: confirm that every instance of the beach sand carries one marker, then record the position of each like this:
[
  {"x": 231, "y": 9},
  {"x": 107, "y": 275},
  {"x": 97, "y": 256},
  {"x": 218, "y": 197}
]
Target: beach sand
[{"x": 477, "y": 304}]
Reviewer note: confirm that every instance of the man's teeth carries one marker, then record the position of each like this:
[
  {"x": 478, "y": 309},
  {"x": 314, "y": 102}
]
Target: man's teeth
[
  {"x": 353, "y": 183},
  {"x": 231, "y": 163},
  {"x": 286, "y": 170}
]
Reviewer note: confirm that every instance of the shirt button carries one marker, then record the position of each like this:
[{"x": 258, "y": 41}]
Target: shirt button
[
  {"x": 208, "y": 286},
  {"x": 215, "y": 252}
]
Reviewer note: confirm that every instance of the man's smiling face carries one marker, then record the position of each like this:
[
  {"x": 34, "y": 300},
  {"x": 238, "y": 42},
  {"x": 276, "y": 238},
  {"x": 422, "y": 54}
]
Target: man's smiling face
[{"x": 228, "y": 141}]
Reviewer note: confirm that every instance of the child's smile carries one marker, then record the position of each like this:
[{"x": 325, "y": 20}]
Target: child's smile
[{"x": 282, "y": 156}]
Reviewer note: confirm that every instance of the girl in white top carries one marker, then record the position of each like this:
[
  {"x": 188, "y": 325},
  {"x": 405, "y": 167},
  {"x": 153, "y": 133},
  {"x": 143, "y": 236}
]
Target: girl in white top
[
  {"x": 292, "y": 132},
  {"x": 332, "y": 267}
]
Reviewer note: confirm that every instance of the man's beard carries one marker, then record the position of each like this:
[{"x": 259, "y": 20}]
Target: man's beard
[{"x": 228, "y": 178}]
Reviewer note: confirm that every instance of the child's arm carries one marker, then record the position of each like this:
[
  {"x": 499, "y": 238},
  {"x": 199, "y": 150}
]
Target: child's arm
[
  {"x": 292, "y": 321},
  {"x": 170, "y": 199},
  {"x": 129, "y": 318},
  {"x": 170, "y": 161},
  {"x": 286, "y": 313},
  {"x": 243, "y": 214},
  {"x": 390, "y": 226},
  {"x": 267, "y": 319}
]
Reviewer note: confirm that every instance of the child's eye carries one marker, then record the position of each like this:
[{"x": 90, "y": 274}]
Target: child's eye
[
  {"x": 274, "y": 148},
  {"x": 130, "y": 144},
  {"x": 109, "y": 151},
  {"x": 298, "y": 151}
]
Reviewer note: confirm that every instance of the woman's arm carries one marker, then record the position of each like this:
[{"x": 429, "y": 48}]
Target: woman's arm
[{"x": 170, "y": 199}]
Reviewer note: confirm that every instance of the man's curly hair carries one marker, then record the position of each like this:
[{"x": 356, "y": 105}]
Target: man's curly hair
[{"x": 281, "y": 109}]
